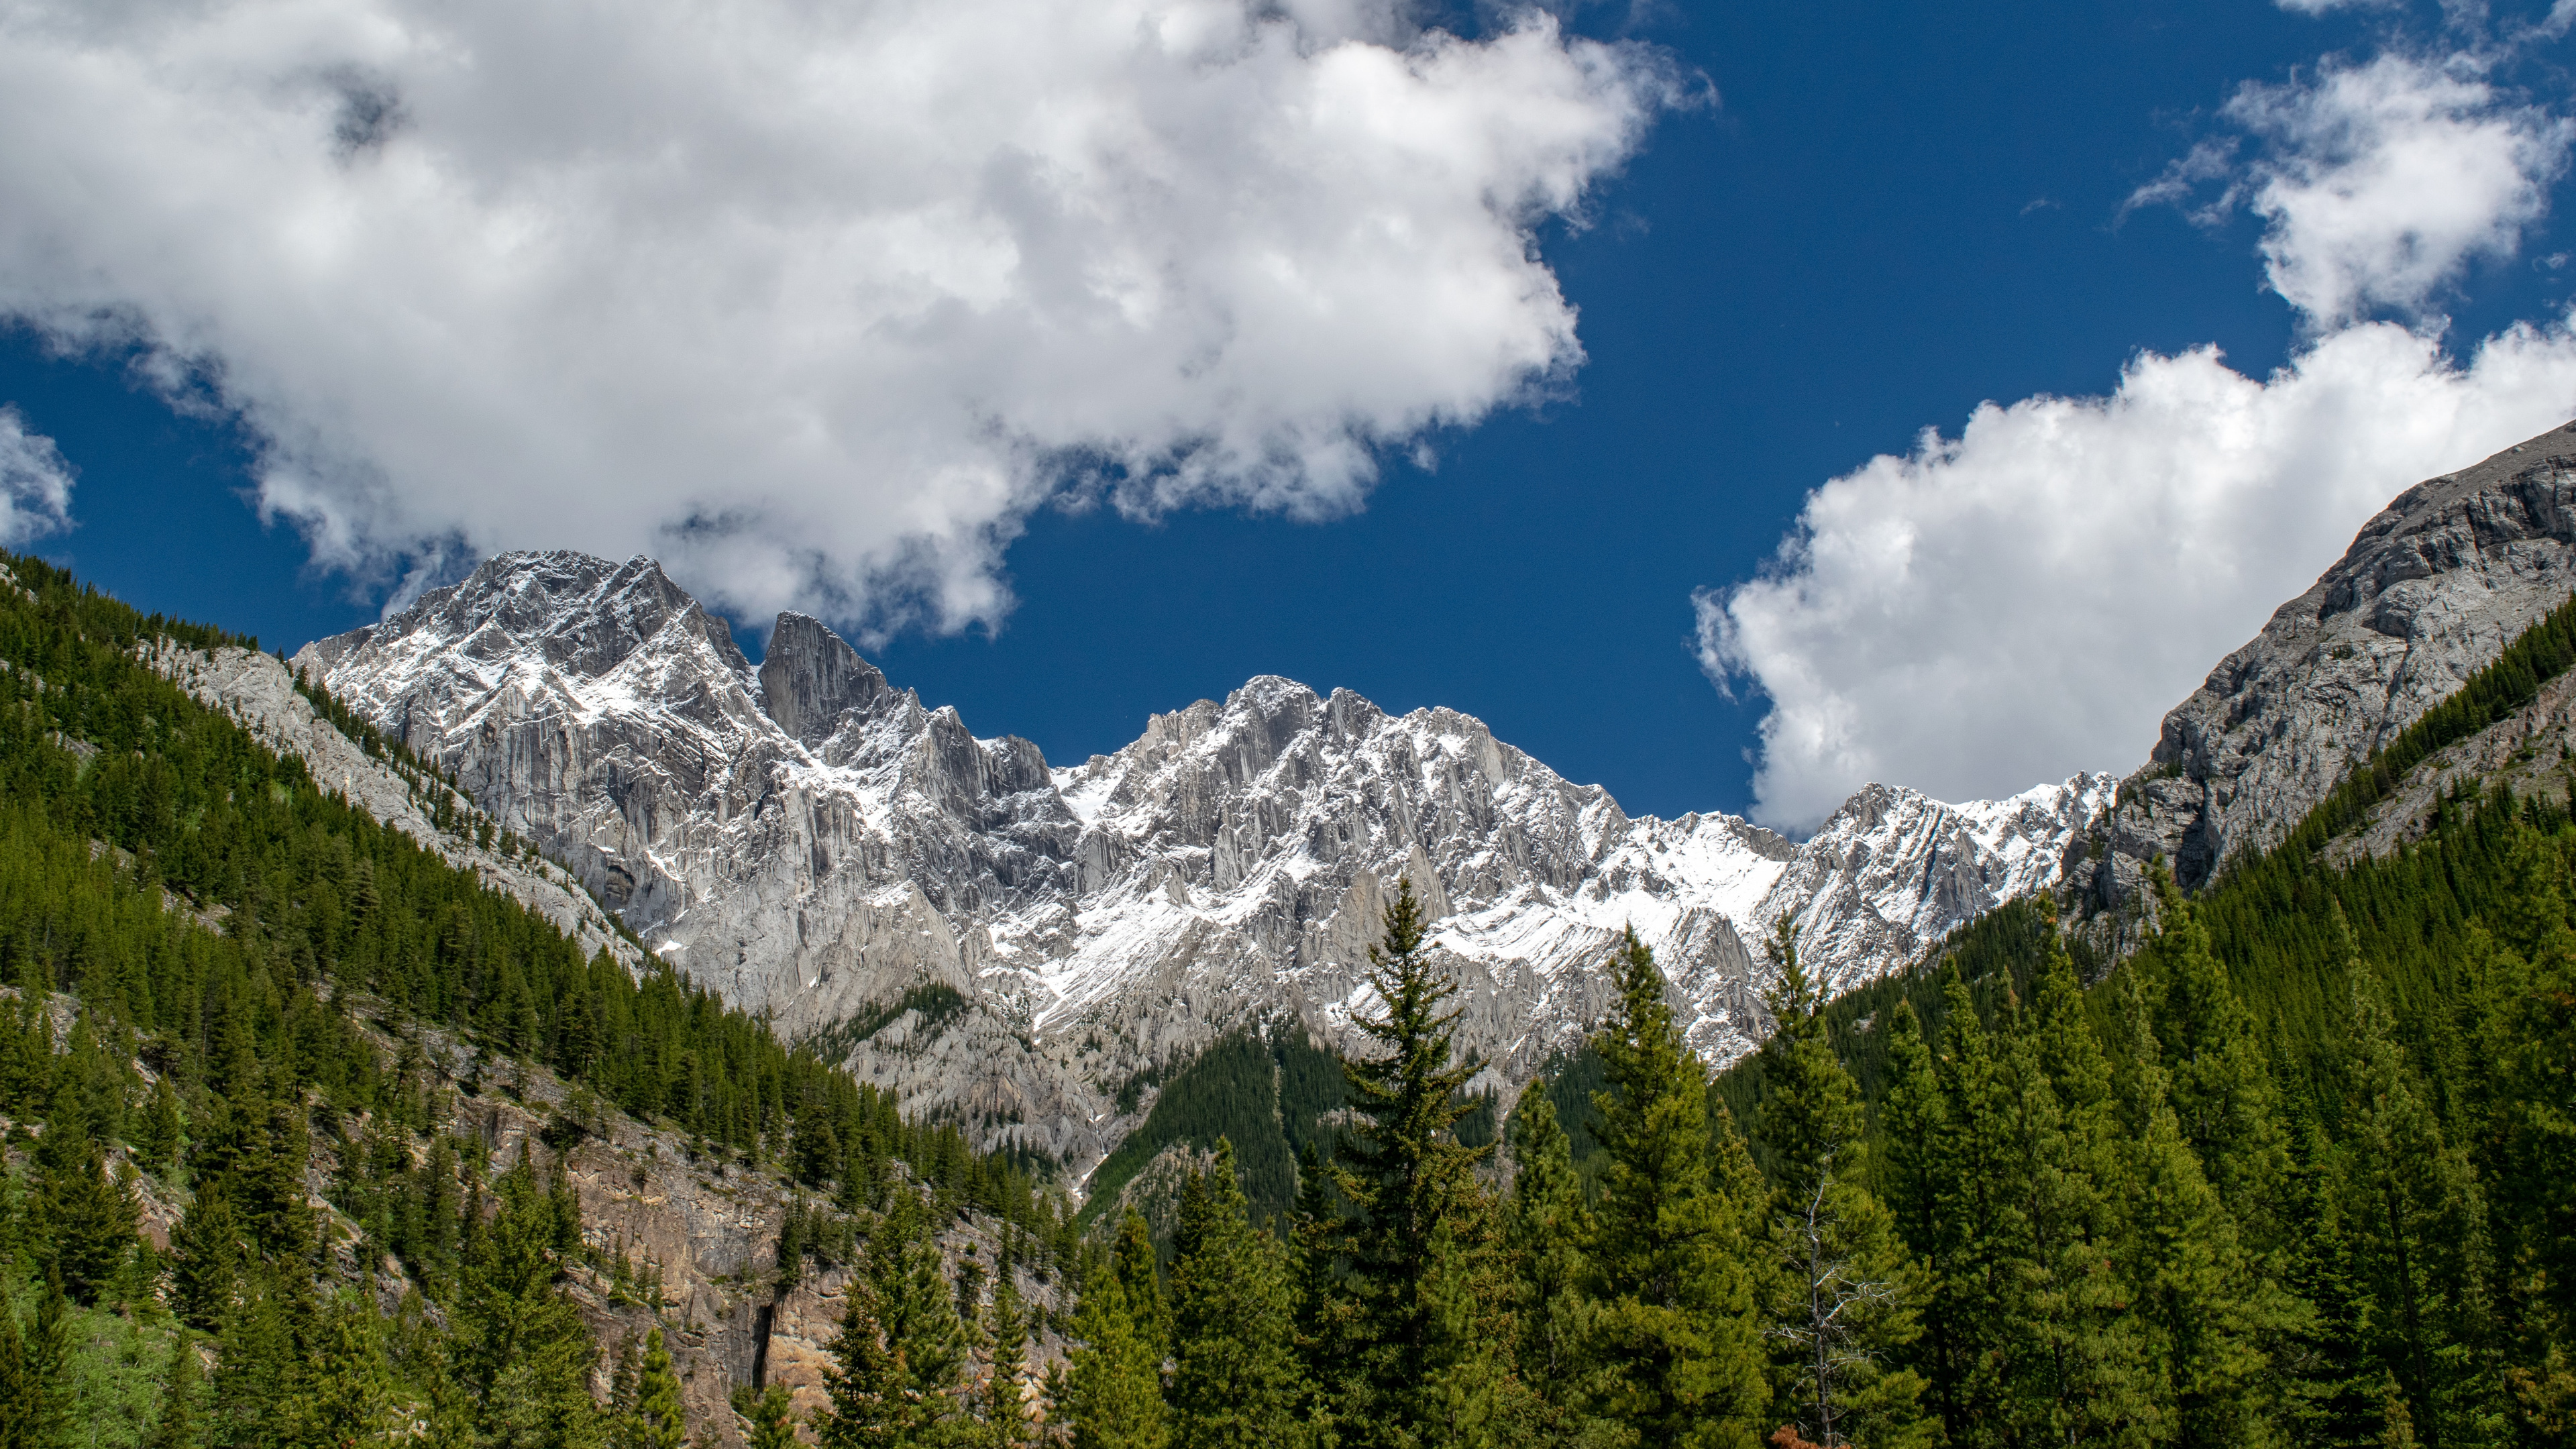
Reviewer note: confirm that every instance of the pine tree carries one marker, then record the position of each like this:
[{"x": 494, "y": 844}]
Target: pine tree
[
  {"x": 770, "y": 1415},
  {"x": 1113, "y": 1392},
  {"x": 1843, "y": 1306},
  {"x": 1006, "y": 1410},
  {"x": 1675, "y": 1339},
  {"x": 207, "y": 1248},
  {"x": 2220, "y": 1085},
  {"x": 659, "y": 1422},
  {"x": 1404, "y": 1176},
  {"x": 899, "y": 1362},
  {"x": 2420, "y": 1229},
  {"x": 176, "y": 1425},
  {"x": 1140, "y": 1274},
  {"x": 1549, "y": 1226},
  {"x": 2073, "y": 1354},
  {"x": 2196, "y": 1301},
  {"x": 1235, "y": 1380},
  {"x": 522, "y": 1355},
  {"x": 30, "y": 1391},
  {"x": 341, "y": 1395},
  {"x": 85, "y": 1220}
]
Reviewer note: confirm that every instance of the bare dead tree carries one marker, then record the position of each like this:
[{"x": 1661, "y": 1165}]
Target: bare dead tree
[{"x": 1833, "y": 1296}]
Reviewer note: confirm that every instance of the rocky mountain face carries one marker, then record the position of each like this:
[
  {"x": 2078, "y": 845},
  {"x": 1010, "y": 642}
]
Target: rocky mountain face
[
  {"x": 1012, "y": 944},
  {"x": 257, "y": 690},
  {"x": 2431, "y": 591}
]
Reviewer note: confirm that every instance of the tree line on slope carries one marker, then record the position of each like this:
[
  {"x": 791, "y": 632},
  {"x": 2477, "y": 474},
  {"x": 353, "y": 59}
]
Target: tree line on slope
[{"x": 215, "y": 969}]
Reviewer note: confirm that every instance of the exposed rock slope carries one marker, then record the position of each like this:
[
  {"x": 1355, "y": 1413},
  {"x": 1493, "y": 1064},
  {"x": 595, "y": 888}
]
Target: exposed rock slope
[
  {"x": 814, "y": 842},
  {"x": 258, "y": 690},
  {"x": 2431, "y": 591}
]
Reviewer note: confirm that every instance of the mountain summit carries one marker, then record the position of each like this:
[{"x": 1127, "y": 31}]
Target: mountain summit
[{"x": 1029, "y": 948}]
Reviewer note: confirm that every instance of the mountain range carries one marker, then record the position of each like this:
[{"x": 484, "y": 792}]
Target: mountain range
[{"x": 1029, "y": 948}]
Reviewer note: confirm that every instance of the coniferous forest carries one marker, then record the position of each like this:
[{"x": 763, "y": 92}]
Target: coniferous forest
[{"x": 2300, "y": 1170}]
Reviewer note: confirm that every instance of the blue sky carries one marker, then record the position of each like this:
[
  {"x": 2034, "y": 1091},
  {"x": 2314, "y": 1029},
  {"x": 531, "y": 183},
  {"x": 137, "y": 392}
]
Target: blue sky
[{"x": 1887, "y": 216}]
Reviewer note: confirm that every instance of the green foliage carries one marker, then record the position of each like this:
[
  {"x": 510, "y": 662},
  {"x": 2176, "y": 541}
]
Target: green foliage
[
  {"x": 1113, "y": 1393},
  {"x": 1264, "y": 1092},
  {"x": 204, "y": 952},
  {"x": 898, "y": 1366},
  {"x": 1414, "y": 1253},
  {"x": 1235, "y": 1377},
  {"x": 657, "y": 1418},
  {"x": 1677, "y": 1339}
]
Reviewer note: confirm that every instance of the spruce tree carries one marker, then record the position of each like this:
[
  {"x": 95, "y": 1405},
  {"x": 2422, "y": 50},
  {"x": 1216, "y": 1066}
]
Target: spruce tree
[
  {"x": 1235, "y": 1379},
  {"x": 898, "y": 1365},
  {"x": 1842, "y": 1307},
  {"x": 770, "y": 1415},
  {"x": 84, "y": 1219},
  {"x": 341, "y": 1396},
  {"x": 1140, "y": 1272},
  {"x": 2197, "y": 1297},
  {"x": 175, "y": 1427},
  {"x": 1676, "y": 1338},
  {"x": 1006, "y": 1410},
  {"x": 2073, "y": 1353},
  {"x": 30, "y": 1387},
  {"x": 1113, "y": 1392},
  {"x": 2218, "y": 1079},
  {"x": 2420, "y": 1231},
  {"x": 659, "y": 1421},
  {"x": 1405, "y": 1176},
  {"x": 1549, "y": 1227}
]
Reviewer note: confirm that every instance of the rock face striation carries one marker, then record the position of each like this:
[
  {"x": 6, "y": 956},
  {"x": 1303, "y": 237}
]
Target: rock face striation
[
  {"x": 2431, "y": 591},
  {"x": 1013, "y": 944}
]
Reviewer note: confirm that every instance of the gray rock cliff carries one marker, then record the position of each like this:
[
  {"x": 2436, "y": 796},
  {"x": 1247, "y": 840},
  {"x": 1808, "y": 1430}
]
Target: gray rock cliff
[{"x": 2431, "y": 591}]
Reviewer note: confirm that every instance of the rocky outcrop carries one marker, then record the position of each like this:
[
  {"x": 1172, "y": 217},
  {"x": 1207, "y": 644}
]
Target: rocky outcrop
[
  {"x": 2430, "y": 592},
  {"x": 1009, "y": 944}
]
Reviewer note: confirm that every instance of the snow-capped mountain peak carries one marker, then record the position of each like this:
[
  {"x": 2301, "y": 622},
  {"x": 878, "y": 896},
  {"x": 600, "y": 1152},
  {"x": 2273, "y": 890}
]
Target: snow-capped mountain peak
[{"x": 811, "y": 841}]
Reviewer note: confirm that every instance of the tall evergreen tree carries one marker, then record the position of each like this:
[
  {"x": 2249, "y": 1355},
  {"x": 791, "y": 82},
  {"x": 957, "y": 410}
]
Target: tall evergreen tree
[
  {"x": 1405, "y": 1177},
  {"x": 1676, "y": 1338},
  {"x": 1113, "y": 1395},
  {"x": 2420, "y": 1232},
  {"x": 1842, "y": 1306},
  {"x": 2197, "y": 1301},
  {"x": 2220, "y": 1084},
  {"x": 85, "y": 1219},
  {"x": 898, "y": 1370},
  {"x": 659, "y": 1421},
  {"x": 1549, "y": 1227},
  {"x": 176, "y": 1426},
  {"x": 1235, "y": 1379},
  {"x": 1006, "y": 1411}
]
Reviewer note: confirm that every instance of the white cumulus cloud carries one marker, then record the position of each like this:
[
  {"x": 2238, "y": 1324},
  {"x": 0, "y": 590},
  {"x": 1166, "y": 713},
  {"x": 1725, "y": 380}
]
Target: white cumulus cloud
[
  {"x": 2381, "y": 183},
  {"x": 35, "y": 483},
  {"x": 2026, "y": 599},
  {"x": 814, "y": 301}
]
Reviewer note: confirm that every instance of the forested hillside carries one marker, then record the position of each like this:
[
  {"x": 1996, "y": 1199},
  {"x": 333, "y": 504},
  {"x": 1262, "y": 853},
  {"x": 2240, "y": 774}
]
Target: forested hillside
[{"x": 254, "y": 1052}]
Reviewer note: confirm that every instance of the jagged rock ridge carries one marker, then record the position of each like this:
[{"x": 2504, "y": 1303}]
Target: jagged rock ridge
[
  {"x": 2430, "y": 592},
  {"x": 815, "y": 843}
]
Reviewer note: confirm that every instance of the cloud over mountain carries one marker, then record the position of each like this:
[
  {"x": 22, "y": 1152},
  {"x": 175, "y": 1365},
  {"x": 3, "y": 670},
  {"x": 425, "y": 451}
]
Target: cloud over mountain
[
  {"x": 2026, "y": 599},
  {"x": 35, "y": 483},
  {"x": 816, "y": 302}
]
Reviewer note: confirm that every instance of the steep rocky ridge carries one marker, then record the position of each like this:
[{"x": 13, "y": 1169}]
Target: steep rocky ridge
[
  {"x": 815, "y": 843},
  {"x": 2431, "y": 590},
  {"x": 258, "y": 690}
]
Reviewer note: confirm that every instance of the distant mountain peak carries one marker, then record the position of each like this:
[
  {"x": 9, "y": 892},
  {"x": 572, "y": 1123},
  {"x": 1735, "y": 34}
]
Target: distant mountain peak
[{"x": 808, "y": 840}]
